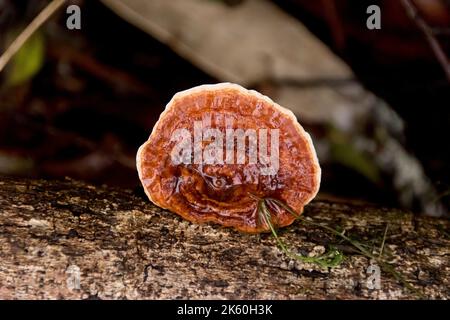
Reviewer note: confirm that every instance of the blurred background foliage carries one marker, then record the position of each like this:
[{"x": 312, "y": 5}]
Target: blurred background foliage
[{"x": 79, "y": 103}]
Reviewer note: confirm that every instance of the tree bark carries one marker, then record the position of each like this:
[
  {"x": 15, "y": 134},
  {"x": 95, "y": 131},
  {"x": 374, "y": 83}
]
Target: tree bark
[{"x": 125, "y": 247}]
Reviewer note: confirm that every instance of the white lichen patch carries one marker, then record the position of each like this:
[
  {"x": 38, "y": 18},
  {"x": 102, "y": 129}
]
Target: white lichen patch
[
  {"x": 23, "y": 206},
  {"x": 436, "y": 261},
  {"x": 317, "y": 251},
  {"x": 39, "y": 224}
]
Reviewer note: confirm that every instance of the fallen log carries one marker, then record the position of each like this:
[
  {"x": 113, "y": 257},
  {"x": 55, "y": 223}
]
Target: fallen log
[{"x": 67, "y": 239}]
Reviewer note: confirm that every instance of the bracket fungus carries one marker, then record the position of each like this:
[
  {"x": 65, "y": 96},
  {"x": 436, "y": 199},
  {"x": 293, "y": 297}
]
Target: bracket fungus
[{"x": 217, "y": 148}]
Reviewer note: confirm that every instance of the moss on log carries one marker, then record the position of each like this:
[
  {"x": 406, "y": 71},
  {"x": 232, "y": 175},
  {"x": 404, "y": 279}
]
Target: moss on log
[{"x": 125, "y": 247}]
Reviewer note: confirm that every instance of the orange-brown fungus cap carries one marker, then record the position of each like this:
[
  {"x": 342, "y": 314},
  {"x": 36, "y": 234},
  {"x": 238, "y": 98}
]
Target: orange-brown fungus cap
[{"x": 189, "y": 167}]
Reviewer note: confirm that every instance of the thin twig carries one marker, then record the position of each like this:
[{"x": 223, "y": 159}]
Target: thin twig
[
  {"x": 384, "y": 240},
  {"x": 413, "y": 13},
  {"x": 40, "y": 19}
]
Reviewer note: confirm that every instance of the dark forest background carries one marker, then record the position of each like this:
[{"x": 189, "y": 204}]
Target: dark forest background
[{"x": 79, "y": 103}]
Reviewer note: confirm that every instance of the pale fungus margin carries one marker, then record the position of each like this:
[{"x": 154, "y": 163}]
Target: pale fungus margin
[{"x": 191, "y": 188}]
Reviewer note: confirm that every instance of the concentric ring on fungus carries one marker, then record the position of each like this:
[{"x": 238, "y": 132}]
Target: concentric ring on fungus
[{"x": 189, "y": 167}]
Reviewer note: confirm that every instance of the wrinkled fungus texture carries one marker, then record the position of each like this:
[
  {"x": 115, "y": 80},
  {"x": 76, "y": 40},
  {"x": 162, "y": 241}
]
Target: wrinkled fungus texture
[{"x": 222, "y": 193}]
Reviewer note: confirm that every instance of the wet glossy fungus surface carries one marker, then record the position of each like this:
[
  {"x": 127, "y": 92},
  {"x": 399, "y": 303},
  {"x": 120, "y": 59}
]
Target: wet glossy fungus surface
[{"x": 222, "y": 192}]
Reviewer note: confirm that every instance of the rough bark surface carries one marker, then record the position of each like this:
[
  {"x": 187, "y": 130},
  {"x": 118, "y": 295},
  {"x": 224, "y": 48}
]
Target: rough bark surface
[{"x": 125, "y": 247}]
